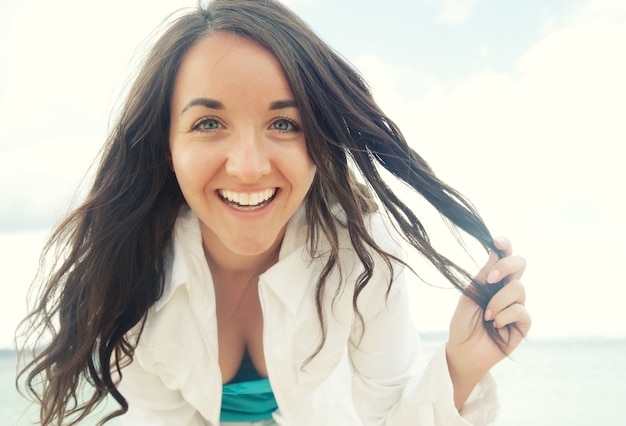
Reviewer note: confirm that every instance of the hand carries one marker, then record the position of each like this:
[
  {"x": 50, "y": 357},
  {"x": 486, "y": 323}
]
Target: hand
[{"x": 471, "y": 353}]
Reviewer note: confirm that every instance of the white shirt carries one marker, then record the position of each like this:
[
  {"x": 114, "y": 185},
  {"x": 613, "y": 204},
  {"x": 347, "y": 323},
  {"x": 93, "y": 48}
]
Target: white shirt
[{"x": 370, "y": 378}]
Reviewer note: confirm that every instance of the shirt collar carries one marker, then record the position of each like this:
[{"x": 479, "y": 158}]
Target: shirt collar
[
  {"x": 289, "y": 278},
  {"x": 292, "y": 275},
  {"x": 186, "y": 242}
]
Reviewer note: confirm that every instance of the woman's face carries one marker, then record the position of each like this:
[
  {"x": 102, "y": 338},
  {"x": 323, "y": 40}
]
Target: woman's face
[{"x": 237, "y": 146}]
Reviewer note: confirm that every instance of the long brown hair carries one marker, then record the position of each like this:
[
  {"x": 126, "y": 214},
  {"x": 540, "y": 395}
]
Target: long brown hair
[{"x": 108, "y": 254}]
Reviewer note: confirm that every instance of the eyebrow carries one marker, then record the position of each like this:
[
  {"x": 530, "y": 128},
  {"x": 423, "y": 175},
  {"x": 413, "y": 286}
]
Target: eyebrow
[
  {"x": 291, "y": 103},
  {"x": 213, "y": 104},
  {"x": 205, "y": 102}
]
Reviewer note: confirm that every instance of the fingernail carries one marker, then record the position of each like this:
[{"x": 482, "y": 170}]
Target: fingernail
[
  {"x": 488, "y": 315},
  {"x": 493, "y": 276},
  {"x": 500, "y": 240}
]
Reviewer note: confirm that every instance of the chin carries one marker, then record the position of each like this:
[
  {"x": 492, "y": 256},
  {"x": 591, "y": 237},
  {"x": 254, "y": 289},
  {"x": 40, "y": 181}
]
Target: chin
[{"x": 253, "y": 248}]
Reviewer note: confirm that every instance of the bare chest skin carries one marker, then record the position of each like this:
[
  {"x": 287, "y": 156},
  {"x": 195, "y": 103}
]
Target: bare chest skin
[{"x": 240, "y": 324}]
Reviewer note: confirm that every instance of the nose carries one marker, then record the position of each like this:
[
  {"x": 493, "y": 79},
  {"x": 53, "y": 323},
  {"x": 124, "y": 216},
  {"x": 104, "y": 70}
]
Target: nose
[{"x": 248, "y": 159}]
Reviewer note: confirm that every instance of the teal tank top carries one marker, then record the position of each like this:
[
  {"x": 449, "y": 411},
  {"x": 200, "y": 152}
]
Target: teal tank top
[{"x": 248, "y": 397}]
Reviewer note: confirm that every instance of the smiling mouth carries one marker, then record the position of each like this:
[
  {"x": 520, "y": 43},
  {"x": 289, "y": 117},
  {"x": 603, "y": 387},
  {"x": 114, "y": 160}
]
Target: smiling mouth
[{"x": 247, "y": 200}]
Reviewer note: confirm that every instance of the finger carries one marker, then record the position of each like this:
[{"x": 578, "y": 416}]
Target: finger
[
  {"x": 504, "y": 245},
  {"x": 482, "y": 275},
  {"x": 511, "y": 267},
  {"x": 514, "y": 314},
  {"x": 503, "y": 250},
  {"x": 512, "y": 293}
]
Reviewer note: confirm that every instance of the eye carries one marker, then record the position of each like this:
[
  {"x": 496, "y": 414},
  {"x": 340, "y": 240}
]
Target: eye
[
  {"x": 206, "y": 124},
  {"x": 285, "y": 125}
]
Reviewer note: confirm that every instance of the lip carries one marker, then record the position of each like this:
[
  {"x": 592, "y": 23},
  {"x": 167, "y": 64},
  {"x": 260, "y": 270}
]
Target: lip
[{"x": 224, "y": 195}]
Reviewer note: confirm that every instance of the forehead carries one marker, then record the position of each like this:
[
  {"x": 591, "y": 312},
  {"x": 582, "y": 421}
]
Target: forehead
[{"x": 223, "y": 63}]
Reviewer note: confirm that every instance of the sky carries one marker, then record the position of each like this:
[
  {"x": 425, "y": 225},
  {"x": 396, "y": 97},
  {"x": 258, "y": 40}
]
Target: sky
[{"x": 519, "y": 105}]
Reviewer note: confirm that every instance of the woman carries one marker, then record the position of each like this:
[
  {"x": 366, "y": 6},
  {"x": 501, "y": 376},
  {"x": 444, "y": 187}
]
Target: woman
[{"x": 227, "y": 266}]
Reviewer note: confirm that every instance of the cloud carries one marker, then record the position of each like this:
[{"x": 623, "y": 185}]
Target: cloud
[
  {"x": 599, "y": 11},
  {"x": 297, "y": 2},
  {"x": 19, "y": 252},
  {"x": 38, "y": 179},
  {"x": 59, "y": 86},
  {"x": 538, "y": 148},
  {"x": 457, "y": 11},
  {"x": 555, "y": 120},
  {"x": 62, "y": 65}
]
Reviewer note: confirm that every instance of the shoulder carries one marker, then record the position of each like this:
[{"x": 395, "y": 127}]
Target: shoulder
[
  {"x": 385, "y": 234},
  {"x": 385, "y": 250},
  {"x": 183, "y": 257},
  {"x": 378, "y": 226},
  {"x": 388, "y": 256}
]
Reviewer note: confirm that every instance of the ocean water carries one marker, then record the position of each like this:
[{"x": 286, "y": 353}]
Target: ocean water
[{"x": 573, "y": 382}]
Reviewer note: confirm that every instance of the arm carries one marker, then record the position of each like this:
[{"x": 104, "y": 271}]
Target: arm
[
  {"x": 470, "y": 351},
  {"x": 392, "y": 386},
  {"x": 391, "y": 383},
  {"x": 151, "y": 402}
]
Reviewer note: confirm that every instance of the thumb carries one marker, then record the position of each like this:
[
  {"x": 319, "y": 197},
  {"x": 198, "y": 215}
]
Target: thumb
[{"x": 493, "y": 258}]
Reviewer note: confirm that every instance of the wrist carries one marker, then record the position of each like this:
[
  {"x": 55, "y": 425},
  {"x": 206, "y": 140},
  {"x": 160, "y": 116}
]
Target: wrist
[{"x": 464, "y": 374}]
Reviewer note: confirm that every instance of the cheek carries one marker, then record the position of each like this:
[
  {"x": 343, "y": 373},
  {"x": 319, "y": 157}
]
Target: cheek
[
  {"x": 305, "y": 162},
  {"x": 186, "y": 168},
  {"x": 305, "y": 179},
  {"x": 306, "y": 169},
  {"x": 178, "y": 164}
]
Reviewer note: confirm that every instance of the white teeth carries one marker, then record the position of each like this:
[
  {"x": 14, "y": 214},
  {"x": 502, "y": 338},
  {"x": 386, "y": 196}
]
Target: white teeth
[{"x": 247, "y": 199}]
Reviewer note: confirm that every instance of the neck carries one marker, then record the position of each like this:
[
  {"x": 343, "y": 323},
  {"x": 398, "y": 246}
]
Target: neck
[{"x": 226, "y": 263}]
